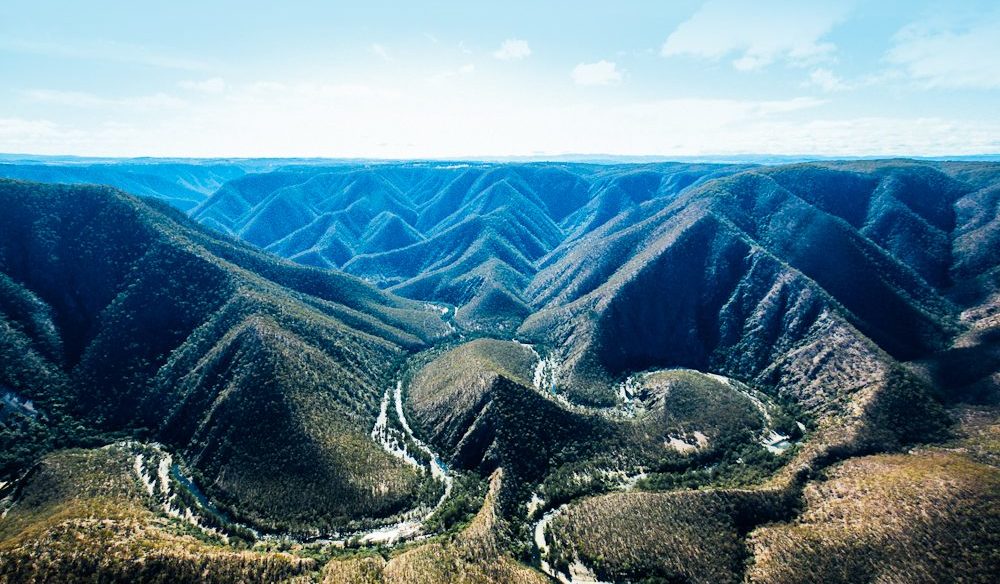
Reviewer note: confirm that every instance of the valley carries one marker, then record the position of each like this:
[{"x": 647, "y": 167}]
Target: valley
[{"x": 436, "y": 372}]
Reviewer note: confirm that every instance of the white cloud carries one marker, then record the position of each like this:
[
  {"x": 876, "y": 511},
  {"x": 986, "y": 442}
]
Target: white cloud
[
  {"x": 261, "y": 91},
  {"x": 827, "y": 80},
  {"x": 48, "y": 137},
  {"x": 512, "y": 50},
  {"x": 214, "y": 85},
  {"x": 703, "y": 114},
  {"x": 82, "y": 99},
  {"x": 878, "y": 136},
  {"x": 65, "y": 98},
  {"x": 600, "y": 73},
  {"x": 381, "y": 51},
  {"x": 951, "y": 52},
  {"x": 758, "y": 33},
  {"x": 467, "y": 117},
  {"x": 17, "y": 131},
  {"x": 466, "y": 69}
]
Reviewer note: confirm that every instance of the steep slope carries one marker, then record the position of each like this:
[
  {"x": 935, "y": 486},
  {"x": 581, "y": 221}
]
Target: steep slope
[
  {"x": 265, "y": 375},
  {"x": 387, "y": 231},
  {"x": 750, "y": 268},
  {"x": 450, "y": 395},
  {"x": 417, "y": 227},
  {"x": 228, "y": 206},
  {"x": 475, "y": 555},
  {"x": 457, "y": 250}
]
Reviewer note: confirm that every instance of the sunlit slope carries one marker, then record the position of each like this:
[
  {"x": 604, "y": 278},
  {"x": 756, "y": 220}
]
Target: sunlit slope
[{"x": 83, "y": 516}]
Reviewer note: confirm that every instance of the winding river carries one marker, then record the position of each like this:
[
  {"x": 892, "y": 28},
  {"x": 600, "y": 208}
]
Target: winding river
[{"x": 391, "y": 439}]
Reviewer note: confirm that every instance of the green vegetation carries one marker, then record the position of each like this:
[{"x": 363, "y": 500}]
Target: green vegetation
[
  {"x": 842, "y": 305},
  {"x": 466, "y": 500},
  {"x": 682, "y": 402},
  {"x": 450, "y": 397},
  {"x": 474, "y": 398},
  {"x": 263, "y": 375}
]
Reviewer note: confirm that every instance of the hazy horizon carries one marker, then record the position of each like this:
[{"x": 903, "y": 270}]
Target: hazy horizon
[{"x": 568, "y": 158}]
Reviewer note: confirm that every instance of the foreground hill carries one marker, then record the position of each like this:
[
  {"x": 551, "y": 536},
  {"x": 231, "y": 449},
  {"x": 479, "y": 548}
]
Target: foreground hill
[
  {"x": 83, "y": 517},
  {"x": 119, "y": 315}
]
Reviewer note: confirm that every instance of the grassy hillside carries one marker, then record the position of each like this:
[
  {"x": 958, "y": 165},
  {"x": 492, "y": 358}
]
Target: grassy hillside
[
  {"x": 82, "y": 516},
  {"x": 923, "y": 517},
  {"x": 688, "y": 536},
  {"x": 474, "y": 555},
  {"x": 929, "y": 515}
]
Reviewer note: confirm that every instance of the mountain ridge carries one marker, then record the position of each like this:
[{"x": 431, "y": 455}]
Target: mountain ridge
[{"x": 726, "y": 349}]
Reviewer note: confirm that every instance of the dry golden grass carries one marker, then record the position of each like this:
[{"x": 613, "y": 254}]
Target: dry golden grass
[
  {"x": 473, "y": 556},
  {"x": 978, "y": 436},
  {"x": 367, "y": 570},
  {"x": 691, "y": 536},
  {"x": 82, "y": 518},
  {"x": 929, "y": 516}
]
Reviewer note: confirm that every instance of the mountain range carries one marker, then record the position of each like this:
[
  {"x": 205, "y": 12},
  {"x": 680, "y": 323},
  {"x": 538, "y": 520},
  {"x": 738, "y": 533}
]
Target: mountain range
[{"x": 408, "y": 371}]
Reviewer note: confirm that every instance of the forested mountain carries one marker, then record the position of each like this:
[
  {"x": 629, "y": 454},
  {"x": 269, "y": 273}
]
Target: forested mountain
[
  {"x": 470, "y": 235},
  {"x": 654, "y": 372},
  {"x": 123, "y": 316}
]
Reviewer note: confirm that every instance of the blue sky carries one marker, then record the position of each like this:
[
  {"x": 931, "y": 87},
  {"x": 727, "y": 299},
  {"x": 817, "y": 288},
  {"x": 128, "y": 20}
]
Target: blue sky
[{"x": 469, "y": 79}]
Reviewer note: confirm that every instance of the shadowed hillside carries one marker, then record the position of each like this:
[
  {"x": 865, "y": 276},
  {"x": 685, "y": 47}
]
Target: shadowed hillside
[{"x": 266, "y": 375}]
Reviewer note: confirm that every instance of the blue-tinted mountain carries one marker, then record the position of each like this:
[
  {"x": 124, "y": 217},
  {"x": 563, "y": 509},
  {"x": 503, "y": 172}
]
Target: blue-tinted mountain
[
  {"x": 413, "y": 228},
  {"x": 181, "y": 184}
]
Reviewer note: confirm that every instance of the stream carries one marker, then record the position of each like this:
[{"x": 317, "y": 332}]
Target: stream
[
  {"x": 382, "y": 433},
  {"x": 393, "y": 440},
  {"x": 579, "y": 573}
]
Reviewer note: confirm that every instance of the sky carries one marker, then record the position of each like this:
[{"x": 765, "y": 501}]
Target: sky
[{"x": 380, "y": 79}]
